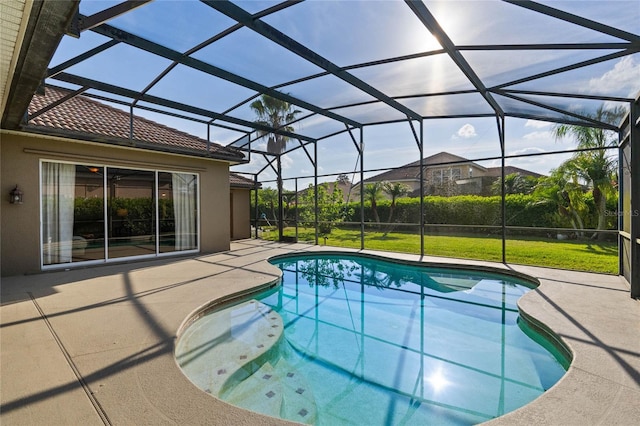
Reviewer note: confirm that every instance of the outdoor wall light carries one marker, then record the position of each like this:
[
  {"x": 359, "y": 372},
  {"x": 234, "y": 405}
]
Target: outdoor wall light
[{"x": 15, "y": 196}]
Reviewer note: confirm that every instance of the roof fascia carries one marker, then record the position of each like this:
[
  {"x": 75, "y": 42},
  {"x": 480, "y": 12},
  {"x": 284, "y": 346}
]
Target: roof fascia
[
  {"x": 240, "y": 15},
  {"x": 47, "y": 24}
]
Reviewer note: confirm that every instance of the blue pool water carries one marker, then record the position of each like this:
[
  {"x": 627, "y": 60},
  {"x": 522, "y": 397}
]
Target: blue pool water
[{"x": 353, "y": 340}]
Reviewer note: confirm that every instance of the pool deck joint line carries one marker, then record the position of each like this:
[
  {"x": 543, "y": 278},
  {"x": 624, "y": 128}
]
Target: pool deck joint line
[{"x": 95, "y": 346}]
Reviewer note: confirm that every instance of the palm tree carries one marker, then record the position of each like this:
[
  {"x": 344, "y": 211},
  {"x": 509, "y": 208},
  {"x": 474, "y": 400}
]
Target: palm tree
[
  {"x": 514, "y": 183},
  {"x": 275, "y": 114},
  {"x": 562, "y": 190},
  {"x": 394, "y": 190},
  {"x": 597, "y": 168},
  {"x": 372, "y": 193}
]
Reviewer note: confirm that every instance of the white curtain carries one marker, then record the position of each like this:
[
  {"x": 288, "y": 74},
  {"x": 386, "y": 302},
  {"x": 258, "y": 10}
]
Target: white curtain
[
  {"x": 184, "y": 210},
  {"x": 58, "y": 194}
]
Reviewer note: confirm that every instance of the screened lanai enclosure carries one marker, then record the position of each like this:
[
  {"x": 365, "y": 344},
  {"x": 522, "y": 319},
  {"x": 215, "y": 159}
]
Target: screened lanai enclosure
[{"x": 495, "y": 130}]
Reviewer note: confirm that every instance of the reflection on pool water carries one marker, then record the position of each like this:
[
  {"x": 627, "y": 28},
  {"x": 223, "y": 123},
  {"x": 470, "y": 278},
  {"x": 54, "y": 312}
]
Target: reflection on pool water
[{"x": 353, "y": 340}]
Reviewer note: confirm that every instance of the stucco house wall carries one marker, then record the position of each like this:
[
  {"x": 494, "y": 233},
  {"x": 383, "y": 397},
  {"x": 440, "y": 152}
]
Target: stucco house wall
[
  {"x": 240, "y": 213},
  {"x": 20, "y": 155}
]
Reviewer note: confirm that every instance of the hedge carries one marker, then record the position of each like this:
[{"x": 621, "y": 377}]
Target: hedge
[{"x": 521, "y": 210}]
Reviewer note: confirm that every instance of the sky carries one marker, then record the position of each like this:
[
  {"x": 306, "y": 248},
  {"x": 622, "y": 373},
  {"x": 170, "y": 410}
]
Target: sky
[{"x": 353, "y": 32}]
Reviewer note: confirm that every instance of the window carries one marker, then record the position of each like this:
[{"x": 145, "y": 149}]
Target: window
[
  {"x": 455, "y": 174},
  {"x": 437, "y": 177},
  {"x": 96, "y": 213},
  {"x": 441, "y": 176}
]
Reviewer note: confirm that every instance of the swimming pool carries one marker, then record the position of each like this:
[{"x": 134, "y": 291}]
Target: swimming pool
[{"x": 350, "y": 340}]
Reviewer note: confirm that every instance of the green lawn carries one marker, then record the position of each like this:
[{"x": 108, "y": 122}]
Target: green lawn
[{"x": 589, "y": 256}]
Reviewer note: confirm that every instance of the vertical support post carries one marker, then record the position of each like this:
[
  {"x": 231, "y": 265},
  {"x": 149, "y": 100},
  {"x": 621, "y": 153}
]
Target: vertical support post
[
  {"x": 255, "y": 205},
  {"x": 634, "y": 193},
  {"x": 131, "y": 122},
  {"x": 503, "y": 189},
  {"x": 297, "y": 217},
  {"x": 315, "y": 186},
  {"x": 421, "y": 221},
  {"x": 621, "y": 191},
  {"x": 280, "y": 204},
  {"x": 361, "y": 188},
  {"x": 208, "y": 138}
]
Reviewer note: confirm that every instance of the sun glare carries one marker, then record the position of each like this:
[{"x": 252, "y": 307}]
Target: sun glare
[{"x": 437, "y": 380}]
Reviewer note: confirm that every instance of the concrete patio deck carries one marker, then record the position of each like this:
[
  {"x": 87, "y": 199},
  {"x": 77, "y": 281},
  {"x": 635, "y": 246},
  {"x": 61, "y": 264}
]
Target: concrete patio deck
[{"x": 95, "y": 346}]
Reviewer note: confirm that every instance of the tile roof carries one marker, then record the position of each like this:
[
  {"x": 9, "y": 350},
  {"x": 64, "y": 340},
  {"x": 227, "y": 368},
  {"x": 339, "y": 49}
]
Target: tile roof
[
  {"x": 85, "y": 118},
  {"x": 495, "y": 171},
  {"x": 411, "y": 171},
  {"x": 238, "y": 181}
]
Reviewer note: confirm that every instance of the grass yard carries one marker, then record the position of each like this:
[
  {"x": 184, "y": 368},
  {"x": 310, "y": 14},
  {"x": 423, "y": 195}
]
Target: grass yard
[{"x": 591, "y": 256}]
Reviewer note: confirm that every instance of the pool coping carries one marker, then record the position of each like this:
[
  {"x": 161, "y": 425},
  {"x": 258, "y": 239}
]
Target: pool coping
[{"x": 84, "y": 345}]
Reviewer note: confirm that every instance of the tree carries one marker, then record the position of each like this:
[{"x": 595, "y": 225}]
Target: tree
[
  {"x": 268, "y": 199},
  {"x": 394, "y": 190},
  {"x": 331, "y": 208},
  {"x": 289, "y": 200},
  {"x": 275, "y": 114},
  {"x": 343, "y": 178},
  {"x": 562, "y": 190},
  {"x": 595, "y": 167},
  {"x": 514, "y": 183},
  {"x": 372, "y": 193}
]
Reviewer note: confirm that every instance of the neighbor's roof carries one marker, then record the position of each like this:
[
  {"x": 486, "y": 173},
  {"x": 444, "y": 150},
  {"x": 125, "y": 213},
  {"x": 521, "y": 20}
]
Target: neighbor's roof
[
  {"x": 508, "y": 170},
  {"x": 87, "y": 119},
  {"x": 411, "y": 171}
]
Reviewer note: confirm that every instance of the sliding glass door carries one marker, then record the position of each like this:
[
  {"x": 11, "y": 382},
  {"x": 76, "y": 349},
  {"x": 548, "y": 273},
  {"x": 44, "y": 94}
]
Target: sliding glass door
[
  {"x": 97, "y": 213},
  {"x": 72, "y": 211},
  {"x": 131, "y": 212},
  {"x": 178, "y": 211}
]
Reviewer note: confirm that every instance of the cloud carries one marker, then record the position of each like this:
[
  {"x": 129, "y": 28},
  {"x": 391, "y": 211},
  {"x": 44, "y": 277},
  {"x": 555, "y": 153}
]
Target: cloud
[
  {"x": 467, "y": 131},
  {"x": 526, "y": 151},
  {"x": 625, "y": 75},
  {"x": 537, "y": 124},
  {"x": 546, "y": 134},
  {"x": 287, "y": 161}
]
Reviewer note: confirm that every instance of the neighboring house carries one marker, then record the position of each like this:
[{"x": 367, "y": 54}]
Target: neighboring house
[
  {"x": 94, "y": 193},
  {"x": 446, "y": 174}
]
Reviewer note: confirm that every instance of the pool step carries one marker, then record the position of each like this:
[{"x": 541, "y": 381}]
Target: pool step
[
  {"x": 261, "y": 392},
  {"x": 299, "y": 403},
  {"x": 279, "y": 391},
  {"x": 240, "y": 340}
]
